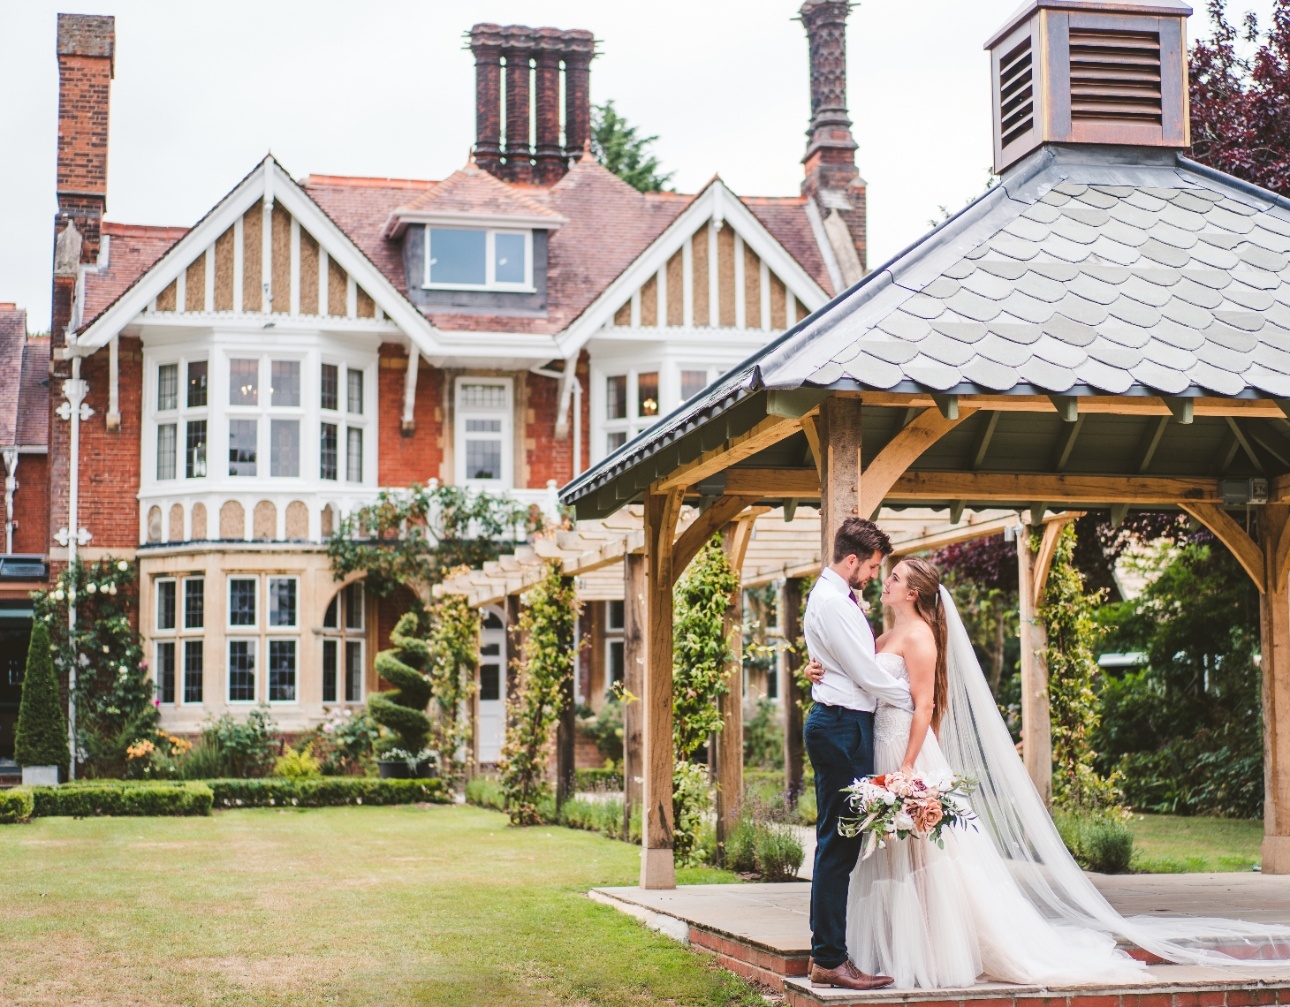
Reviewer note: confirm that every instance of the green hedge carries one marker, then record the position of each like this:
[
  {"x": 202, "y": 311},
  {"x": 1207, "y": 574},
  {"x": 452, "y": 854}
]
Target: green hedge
[
  {"x": 327, "y": 791},
  {"x": 16, "y": 805},
  {"x": 115, "y": 797},
  {"x": 597, "y": 779}
]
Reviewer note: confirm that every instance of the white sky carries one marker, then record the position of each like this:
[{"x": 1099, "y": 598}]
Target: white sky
[{"x": 385, "y": 88}]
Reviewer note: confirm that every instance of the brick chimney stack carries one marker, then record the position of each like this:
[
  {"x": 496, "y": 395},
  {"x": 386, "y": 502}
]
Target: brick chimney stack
[
  {"x": 832, "y": 179},
  {"x": 532, "y": 60},
  {"x": 86, "y": 47}
]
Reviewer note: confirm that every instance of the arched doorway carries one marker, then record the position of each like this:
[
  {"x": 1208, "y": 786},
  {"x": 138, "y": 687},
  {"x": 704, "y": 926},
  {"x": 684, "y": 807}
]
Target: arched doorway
[{"x": 492, "y": 685}]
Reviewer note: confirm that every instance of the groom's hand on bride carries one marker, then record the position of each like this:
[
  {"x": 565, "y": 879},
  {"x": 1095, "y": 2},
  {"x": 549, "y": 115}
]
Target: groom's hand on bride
[{"x": 815, "y": 671}]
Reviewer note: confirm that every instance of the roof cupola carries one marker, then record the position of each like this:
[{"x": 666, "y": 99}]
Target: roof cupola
[{"x": 1089, "y": 71}]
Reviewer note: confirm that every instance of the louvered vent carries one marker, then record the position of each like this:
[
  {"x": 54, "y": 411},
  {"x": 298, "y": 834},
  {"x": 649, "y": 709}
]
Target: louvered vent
[
  {"x": 1016, "y": 93},
  {"x": 1115, "y": 75}
]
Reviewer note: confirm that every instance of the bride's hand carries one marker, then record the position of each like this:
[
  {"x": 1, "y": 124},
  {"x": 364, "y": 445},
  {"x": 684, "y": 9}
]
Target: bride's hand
[
  {"x": 814, "y": 671},
  {"x": 907, "y": 770}
]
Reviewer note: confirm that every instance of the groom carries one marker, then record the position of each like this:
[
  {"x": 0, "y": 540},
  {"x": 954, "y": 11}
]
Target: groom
[{"x": 839, "y": 735}]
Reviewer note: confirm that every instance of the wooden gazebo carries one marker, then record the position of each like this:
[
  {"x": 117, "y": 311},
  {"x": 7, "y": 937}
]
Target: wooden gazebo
[{"x": 1107, "y": 328}]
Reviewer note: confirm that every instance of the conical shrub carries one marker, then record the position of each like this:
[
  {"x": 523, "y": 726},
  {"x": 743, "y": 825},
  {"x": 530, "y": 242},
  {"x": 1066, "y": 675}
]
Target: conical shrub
[
  {"x": 401, "y": 710},
  {"x": 41, "y": 737}
]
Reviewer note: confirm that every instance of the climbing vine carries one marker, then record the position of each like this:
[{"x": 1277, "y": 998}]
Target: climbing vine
[
  {"x": 401, "y": 711},
  {"x": 542, "y": 673},
  {"x": 115, "y": 696},
  {"x": 454, "y": 648},
  {"x": 1073, "y": 632},
  {"x": 701, "y": 657}
]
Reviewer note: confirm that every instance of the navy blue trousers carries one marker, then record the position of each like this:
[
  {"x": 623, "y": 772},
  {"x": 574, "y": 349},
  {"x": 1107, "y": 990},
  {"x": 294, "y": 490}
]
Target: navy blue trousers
[{"x": 840, "y": 745}]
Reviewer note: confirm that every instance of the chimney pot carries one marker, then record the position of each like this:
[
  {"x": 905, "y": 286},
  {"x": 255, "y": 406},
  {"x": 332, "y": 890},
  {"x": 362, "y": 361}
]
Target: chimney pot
[
  {"x": 1091, "y": 72},
  {"x": 518, "y": 50},
  {"x": 486, "y": 43}
]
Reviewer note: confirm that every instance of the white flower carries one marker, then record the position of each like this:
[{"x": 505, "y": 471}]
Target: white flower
[
  {"x": 123, "y": 566},
  {"x": 111, "y": 589},
  {"x": 888, "y": 798},
  {"x": 890, "y": 827},
  {"x": 91, "y": 588},
  {"x": 903, "y": 822},
  {"x": 59, "y": 595}
]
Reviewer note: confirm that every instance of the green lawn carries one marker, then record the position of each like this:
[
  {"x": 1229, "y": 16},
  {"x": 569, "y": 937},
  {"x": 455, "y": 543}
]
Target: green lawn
[
  {"x": 1169, "y": 844},
  {"x": 345, "y": 906}
]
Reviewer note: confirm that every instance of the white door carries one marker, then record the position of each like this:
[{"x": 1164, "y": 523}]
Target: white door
[{"x": 492, "y": 686}]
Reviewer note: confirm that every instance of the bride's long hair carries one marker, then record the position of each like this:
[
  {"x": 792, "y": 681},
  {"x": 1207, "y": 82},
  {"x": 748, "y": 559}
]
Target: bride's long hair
[{"x": 925, "y": 581}]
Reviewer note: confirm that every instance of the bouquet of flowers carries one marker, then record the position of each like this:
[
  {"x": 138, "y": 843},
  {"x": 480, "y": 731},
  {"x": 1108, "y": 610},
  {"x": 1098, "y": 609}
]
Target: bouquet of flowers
[{"x": 899, "y": 806}]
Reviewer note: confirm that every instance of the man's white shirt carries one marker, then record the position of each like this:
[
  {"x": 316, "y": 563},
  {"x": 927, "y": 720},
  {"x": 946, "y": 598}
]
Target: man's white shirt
[{"x": 838, "y": 635}]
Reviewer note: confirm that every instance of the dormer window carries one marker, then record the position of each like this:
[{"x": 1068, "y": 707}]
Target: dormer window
[{"x": 459, "y": 258}]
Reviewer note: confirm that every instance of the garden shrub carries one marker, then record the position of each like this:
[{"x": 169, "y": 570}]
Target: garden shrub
[
  {"x": 231, "y": 747},
  {"x": 778, "y": 852},
  {"x": 486, "y": 792},
  {"x": 121, "y": 797},
  {"x": 326, "y": 791},
  {"x": 297, "y": 764},
  {"x": 345, "y": 743},
  {"x": 1099, "y": 842},
  {"x": 16, "y": 805},
  {"x": 401, "y": 710},
  {"x": 764, "y": 737},
  {"x": 41, "y": 735},
  {"x": 741, "y": 846},
  {"x": 546, "y": 667},
  {"x": 597, "y": 779},
  {"x": 606, "y": 729},
  {"x": 454, "y": 654},
  {"x": 159, "y": 757}
]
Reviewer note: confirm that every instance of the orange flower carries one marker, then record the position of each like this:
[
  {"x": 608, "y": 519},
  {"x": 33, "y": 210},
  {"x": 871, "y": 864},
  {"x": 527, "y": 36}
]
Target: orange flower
[{"x": 928, "y": 816}]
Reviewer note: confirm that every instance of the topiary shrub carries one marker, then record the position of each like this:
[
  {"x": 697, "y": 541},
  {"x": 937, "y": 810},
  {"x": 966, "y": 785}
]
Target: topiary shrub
[
  {"x": 16, "y": 805},
  {"x": 41, "y": 736},
  {"x": 401, "y": 710}
]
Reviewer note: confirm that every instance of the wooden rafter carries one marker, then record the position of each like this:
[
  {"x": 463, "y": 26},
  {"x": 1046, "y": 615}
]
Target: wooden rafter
[
  {"x": 1244, "y": 442},
  {"x": 1147, "y": 450},
  {"x": 769, "y": 431},
  {"x": 703, "y": 527},
  {"x": 1119, "y": 405},
  {"x": 1047, "y": 550},
  {"x": 1232, "y": 535},
  {"x": 902, "y": 451},
  {"x": 1053, "y": 489},
  {"x": 1066, "y": 442}
]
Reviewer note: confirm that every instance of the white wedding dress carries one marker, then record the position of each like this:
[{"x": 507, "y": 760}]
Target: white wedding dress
[
  {"x": 1005, "y": 901},
  {"x": 935, "y": 918}
]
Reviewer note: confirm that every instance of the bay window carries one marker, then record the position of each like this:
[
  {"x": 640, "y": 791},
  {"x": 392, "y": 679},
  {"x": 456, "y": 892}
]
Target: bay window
[
  {"x": 343, "y": 424},
  {"x": 181, "y": 420},
  {"x": 263, "y": 622},
  {"x": 178, "y": 624}
]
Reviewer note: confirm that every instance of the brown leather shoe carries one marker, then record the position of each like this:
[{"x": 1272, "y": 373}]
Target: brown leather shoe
[{"x": 847, "y": 976}]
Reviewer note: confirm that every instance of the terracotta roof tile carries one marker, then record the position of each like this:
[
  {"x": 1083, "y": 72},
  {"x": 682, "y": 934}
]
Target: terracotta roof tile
[
  {"x": 33, "y": 395},
  {"x": 786, "y": 220},
  {"x": 474, "y": 191},
  {"x": 360, "y": 207},
  {"x": 132, "y": 249},
  {"x": 13, "y": 334}
]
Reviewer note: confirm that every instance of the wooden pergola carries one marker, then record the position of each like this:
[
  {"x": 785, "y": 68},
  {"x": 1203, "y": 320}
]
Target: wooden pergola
[{"x": 1108, "y": 329}]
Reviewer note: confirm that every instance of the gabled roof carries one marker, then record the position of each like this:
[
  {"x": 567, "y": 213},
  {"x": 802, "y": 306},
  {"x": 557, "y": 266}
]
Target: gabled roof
[
  {"x": 13, "y": 336},
  {"x": 129, "y": 250},
  {"x": 469, "y": 194},
  {"x": 24, "y": 382},
  {"x": 1085, "y": 271}
]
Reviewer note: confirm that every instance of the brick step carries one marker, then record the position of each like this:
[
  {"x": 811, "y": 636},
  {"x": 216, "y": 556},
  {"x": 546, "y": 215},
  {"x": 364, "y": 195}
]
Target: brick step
[
  {"x": 758, "y": 962},
  {"x": 1239, "y": 992}
]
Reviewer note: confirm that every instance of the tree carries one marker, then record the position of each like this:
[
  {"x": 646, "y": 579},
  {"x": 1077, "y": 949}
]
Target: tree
[
  {"x": 412, "y": 537},
  {"x": 41, "y": 738},
  {"x": 1240, "y": 106},
  {"x": 401, "y": 710},
  {"x": 615, "y": 145}
]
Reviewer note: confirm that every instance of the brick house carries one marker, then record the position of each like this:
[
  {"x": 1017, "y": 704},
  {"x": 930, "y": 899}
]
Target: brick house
[{"x": 259, "y": 374}]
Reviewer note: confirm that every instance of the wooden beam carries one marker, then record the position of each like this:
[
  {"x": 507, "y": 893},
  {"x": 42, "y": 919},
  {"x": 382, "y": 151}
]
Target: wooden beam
[
  {"x": 1184, "y": 410},
  {"x": 658, "y": 868},
  {"x": 1147, "y": 450},
  {"x": 984, "y": 438},
  {"x": 840, "y": 447},
  {"x": 1054, "y": 489},
  {"x": 730, "y": 706},
  {"x": 1036, "y": 716},
  {"x": 1274, "y": 666},
  {"x": 635, "y": 635},
  {"x": 771, "y": 430},
  {"x": 702, "y": 528},
  {"x": 772, "y": 483},
  {"x": 948, "y": 405},
  {"x": 1067, "y": 407},
  {"x": 1047, "y": 550},
  {"x": 811, "y": 429},
  {"x": 1119, "y": 405},
  {"x": 901, "y": 452},
  {"x": 1066, "y": 443},
  {"x": 960, "y": 533},
  {"x": 790, "y": 695},
  {"x": 1244, "y": 442},
  {"x": 1232, "y": 535}
]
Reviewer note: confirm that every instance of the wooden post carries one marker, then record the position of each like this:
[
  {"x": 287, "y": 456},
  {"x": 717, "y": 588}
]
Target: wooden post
[
  {"x": 658, "y": 869},
  {"x": 730, "y": 739},
  {"x": 634, "y": 636},
  {"x": 1274, "y": 616},
  {"x": 790, "y": 695},
  {"x": 567, "y": 726},
  {"x": 840, "y": 466},
  {"x": 514, "y": 643},
  {"x": 1036, "y": 722}
]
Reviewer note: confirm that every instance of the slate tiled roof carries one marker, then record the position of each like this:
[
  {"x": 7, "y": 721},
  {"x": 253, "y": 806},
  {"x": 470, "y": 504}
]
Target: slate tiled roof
[
  {"x": 1073, "y": 278},
  {"x": 13, "y": 334},
  {"x": 33, "y": 395}
]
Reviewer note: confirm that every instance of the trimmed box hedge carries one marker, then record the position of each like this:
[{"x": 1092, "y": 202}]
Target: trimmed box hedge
[
  {"x": 327, "y": 791},
  {"x": 597, "y": 779},
  {"x": 16, "y": 805},
  {"x": 113, "y": 797}
]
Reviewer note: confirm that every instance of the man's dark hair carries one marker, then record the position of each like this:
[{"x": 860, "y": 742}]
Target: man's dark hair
[{"x": 861, "y": 538}]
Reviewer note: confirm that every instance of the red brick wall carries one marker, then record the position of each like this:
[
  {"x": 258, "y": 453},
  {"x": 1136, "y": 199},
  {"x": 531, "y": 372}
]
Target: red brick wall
[
  {"x": 31, "y": 505},
  {"x": 110, "y": 459},
  {"x": 388, "y": 612},
  {"x": 405, "y": 460},
  {"x": 547, "y": 457}
]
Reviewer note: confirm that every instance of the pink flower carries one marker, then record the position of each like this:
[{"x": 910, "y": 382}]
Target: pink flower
[{"x": 156, "y": 702}]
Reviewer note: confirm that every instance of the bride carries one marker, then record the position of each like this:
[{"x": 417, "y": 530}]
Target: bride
[{"x": 1003, "y": 901}]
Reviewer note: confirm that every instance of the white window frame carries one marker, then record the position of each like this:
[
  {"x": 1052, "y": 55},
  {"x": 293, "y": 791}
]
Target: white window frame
[
  {"x": 490, "y": 279},
  {"x": 175, "y": 678},
  {"x": 505, "y": 414},
  {"x": 254, "y": 641},
  {"x": 179, "y": 417},
  {"x": 342, "y": 634},
  {"x": 613, "y": 635},
  {"x": 243, "y": 629},
  {"x": 268, "y": 670},
  {"x": 269, "y": 627}
]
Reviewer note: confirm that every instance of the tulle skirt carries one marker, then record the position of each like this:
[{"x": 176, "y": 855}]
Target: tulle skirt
[{"x": 932, "y": 917}]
